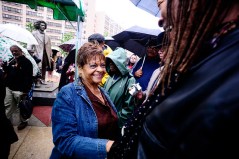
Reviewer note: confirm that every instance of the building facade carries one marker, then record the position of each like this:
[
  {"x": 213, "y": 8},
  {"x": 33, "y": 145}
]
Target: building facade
[{"x": 20, "y": 14}]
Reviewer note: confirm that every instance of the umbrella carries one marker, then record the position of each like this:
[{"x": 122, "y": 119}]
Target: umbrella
[
  {"x": 17, "y": 33},
  {"x": 68, "y": 45},
  {"x": 5, "y": 53},
  {"x": 135, "y": 38},
  {"x": 110, "y": 41},
  {"x": 135, "y": 47},
  {"x": 136, "y": 32},
  {"x": 149, "y": 6},
  {"x": 112, "y": 44}
]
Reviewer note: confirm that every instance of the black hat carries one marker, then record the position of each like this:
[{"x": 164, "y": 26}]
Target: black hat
[
  {"x": 160, "y": 38},
  {"x": 156, "y": 42},
  {"x": 98, "y": 37},
  {"x": 152, "y": 42}
]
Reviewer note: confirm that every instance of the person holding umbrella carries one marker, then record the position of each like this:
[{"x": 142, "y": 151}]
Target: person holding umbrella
[
  {"x": 19, "y": 79},
  {"x": 145, "y": 67}
]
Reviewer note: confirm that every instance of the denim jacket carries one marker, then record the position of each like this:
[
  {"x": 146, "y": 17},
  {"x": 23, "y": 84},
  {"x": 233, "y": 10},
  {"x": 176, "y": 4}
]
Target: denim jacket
[{"x": 75, "y": 125}]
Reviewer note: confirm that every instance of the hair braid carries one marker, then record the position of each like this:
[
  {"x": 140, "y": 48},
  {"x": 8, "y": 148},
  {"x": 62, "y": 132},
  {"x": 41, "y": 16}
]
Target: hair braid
[{"x": 191, "y": 27}]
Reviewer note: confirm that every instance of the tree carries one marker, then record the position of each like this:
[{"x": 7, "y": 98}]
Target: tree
[
  {"x": 106, "y": 34},
  {"x": 30, "y": 26},
  {"x": 67, "y": 36}
]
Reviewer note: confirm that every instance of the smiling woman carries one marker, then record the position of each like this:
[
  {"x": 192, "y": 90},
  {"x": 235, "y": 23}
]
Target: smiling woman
[
  {"x": 84, "y": 119},
  {"x": 91, "y": 63}
]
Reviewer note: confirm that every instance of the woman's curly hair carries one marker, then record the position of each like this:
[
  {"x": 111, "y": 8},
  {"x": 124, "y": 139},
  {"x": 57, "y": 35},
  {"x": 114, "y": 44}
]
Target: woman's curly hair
[{"x": 88, "y": 51}]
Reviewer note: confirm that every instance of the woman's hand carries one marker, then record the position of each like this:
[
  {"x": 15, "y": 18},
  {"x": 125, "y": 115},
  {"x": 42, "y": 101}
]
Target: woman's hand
[
  {"x": 138, "y": 73},
  {"x": 108, "y": 145}
]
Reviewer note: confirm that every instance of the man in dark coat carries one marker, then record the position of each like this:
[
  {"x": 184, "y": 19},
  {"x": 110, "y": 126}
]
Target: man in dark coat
[{"x": 19, "y": 81}]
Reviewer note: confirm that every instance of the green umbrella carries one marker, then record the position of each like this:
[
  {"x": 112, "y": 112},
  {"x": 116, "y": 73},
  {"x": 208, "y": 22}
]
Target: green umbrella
[{"x": 62, "y": 9}]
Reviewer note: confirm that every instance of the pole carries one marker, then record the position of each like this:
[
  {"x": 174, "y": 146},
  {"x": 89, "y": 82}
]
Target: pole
[{"x": 78, "y": 44}]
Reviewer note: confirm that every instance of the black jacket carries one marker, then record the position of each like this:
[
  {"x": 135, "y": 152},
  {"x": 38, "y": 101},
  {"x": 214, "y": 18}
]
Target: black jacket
[
  {"x": 19, "y": 78},
  {"x": 199, "y": 120},
  {"x": 70, "y": 58}
]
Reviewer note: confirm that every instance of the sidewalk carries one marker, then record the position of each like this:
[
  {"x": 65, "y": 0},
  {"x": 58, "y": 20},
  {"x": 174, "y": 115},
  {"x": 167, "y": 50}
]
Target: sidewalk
[{"x": 34, "y": 143}]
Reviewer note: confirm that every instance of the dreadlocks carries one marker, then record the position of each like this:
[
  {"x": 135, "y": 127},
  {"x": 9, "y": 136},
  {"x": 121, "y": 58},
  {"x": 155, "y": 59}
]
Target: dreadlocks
[{"x": 192, "y": 22}]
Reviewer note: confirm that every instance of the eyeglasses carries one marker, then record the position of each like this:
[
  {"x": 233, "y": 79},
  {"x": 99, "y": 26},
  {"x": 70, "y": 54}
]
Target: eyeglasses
[
  {"x": 94, "y": 66},
  {"x": 160, "y": 2}
]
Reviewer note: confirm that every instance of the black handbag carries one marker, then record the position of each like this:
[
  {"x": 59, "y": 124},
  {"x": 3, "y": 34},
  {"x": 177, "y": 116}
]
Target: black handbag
[
  {"x": 26, "y": 105},
  {"x": 26, "y": 108}
]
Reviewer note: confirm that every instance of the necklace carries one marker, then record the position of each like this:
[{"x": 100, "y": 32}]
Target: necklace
[{"x": 224, "y": 29}]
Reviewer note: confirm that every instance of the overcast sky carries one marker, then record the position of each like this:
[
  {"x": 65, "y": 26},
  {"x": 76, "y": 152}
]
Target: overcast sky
[{"x": 126, "y": 14}]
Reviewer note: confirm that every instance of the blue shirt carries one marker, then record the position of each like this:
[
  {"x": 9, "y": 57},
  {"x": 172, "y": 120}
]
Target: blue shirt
[{"x": 149, "y": 66}]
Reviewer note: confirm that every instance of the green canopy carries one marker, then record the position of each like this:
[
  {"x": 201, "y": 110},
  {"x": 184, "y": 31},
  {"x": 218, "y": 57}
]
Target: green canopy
[{"x": 62, "y": 9}]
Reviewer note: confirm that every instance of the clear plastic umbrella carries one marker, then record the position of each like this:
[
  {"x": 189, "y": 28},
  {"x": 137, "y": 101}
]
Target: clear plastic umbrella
[
  {"x": 17, "y": 33},
  {"x": 5, "y": 53}
]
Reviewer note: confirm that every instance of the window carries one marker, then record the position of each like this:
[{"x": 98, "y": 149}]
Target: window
[
  {"x": 40, "y": 8},
  {"x": 49, "y": 16},
  {"x": 31, "y": 20},
  {"x": 53, "y": 31},
  {"x": 31, "y": 13},
  {"x": 49, "y": 10},
  {"x": 13, "y": 17},
  {"x": 11, "y": 9},
  {"x": 11, "y": 3},
  {"x": 54, "y": 24}
]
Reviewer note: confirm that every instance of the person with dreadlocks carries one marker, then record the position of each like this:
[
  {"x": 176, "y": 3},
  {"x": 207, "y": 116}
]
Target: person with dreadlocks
[{"x": 193, "y": 112}]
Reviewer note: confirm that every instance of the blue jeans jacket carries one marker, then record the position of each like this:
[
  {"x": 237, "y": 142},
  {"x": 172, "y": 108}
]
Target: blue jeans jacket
[{"x": 75, "y": 125}]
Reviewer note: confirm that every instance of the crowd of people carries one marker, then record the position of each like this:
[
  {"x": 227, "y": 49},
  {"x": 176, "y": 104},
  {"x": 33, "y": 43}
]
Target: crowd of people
[{"x": 184, "y": 104}]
